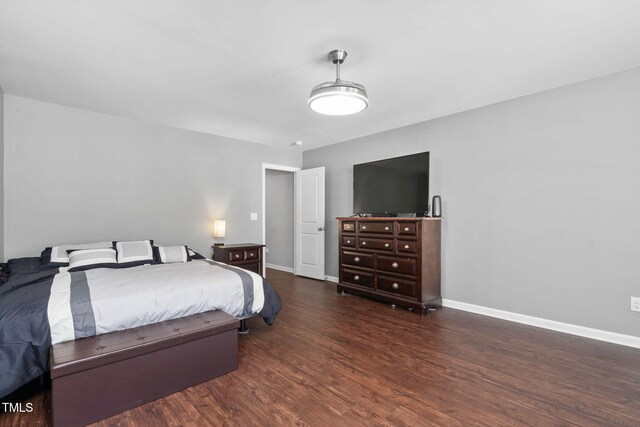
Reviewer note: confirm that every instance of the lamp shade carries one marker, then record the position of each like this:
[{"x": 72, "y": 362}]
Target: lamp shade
[{"x": 219, "y": 228}]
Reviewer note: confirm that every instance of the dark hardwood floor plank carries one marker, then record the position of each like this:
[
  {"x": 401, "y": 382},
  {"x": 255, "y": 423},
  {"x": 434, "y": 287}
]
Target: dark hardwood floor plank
[{"x": 334, "y": 359}]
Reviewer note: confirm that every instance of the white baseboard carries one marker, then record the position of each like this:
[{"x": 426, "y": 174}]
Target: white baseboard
[
  {"x": 280, "y": 267},
  {"x": 567, "y": 328}
]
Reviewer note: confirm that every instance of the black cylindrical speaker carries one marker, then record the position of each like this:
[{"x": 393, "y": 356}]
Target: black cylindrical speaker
[{"x": 436, "y": 207}]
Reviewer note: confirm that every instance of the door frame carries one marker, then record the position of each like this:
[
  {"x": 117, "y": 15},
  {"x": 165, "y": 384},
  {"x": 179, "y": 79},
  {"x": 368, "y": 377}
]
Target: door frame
[{"x": 270, "y": 166}]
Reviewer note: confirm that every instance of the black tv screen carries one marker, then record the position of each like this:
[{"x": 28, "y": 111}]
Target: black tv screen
[{"x": 392, "y": 186}]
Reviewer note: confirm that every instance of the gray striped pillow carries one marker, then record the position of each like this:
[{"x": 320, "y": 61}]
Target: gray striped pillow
[
  {"x": 59, "y": 253},
  {"x": 85, "y": 259}
]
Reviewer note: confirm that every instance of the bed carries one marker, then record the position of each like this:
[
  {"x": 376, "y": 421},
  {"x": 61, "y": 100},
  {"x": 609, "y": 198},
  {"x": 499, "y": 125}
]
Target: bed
[{"x": 43, "y": 304}]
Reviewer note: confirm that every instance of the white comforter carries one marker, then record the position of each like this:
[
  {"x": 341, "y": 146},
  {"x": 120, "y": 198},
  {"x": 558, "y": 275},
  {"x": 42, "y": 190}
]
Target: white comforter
[{"x": 116, "y": 299}]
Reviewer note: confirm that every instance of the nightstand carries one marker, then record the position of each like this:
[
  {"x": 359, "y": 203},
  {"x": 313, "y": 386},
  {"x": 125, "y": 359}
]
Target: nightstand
[{"x": 244, "y": 255}]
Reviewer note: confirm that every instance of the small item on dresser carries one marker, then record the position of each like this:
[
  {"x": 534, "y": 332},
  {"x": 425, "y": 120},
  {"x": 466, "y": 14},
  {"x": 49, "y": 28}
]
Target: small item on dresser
[
  {"x": 219, "y": 227},
  {"x": 437, "y": 207}
]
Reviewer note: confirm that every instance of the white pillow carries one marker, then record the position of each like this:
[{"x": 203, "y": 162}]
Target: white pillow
[
  {"x": 59, "y": 253},
  {"x": 92, "y": 258},
  {"x": 172, "y": 254},
  {"x": 134, "y": 251}
]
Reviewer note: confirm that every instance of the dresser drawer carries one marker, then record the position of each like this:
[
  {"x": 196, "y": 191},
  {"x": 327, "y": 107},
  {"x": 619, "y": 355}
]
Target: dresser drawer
[
  {"x": 407, "y": 228},
  {"x": 357, "y": 278},
  {"x": 375, "y": 244},
  {"x": 349, "y": 241},
  {"x": 397, "y": 265},
  {"x": 237, "y": 255},
  {"x": 349, "y": 226},
  {"x": 407, "y": 246},
  {"x": 251, "y": 253},
  {"x": 375, "y": 227},
  {"x": 397, "y": 286},
  {"x": 248, "y": 256},
  {"x": 357, "y": 260}
]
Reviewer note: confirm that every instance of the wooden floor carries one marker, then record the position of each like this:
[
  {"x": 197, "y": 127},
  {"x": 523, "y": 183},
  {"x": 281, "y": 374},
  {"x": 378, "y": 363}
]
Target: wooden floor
[{"x": 344, "y": 360}]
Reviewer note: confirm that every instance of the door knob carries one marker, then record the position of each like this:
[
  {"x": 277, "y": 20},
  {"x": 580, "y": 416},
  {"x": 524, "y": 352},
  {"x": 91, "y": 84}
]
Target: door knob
[{"x": 320, "y": 228}]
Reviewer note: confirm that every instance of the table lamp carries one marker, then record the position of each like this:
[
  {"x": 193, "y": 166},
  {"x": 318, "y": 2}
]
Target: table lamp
[{"x": 219, "y": 227}]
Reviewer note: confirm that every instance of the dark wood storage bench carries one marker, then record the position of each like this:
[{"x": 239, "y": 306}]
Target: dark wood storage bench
[{"x": 95, "y": 378}]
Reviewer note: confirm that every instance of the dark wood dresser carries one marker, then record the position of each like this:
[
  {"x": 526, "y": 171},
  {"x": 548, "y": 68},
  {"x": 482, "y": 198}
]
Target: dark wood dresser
[
  {"x": 396, "y": 260},
  {"x": 244, "y": 255}
]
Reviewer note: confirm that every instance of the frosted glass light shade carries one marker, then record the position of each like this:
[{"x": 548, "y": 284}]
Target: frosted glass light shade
[
  {"x": 219, "y": 228},
  {"x": 339, "y": 98}
]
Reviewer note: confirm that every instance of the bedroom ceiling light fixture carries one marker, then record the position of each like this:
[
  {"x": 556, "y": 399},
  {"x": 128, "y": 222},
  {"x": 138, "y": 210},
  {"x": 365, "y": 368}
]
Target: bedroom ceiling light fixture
[{"x": 341, "y": 97}]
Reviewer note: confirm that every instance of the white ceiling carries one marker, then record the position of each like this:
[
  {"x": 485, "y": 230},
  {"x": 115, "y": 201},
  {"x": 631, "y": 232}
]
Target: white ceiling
[{"x": 244, "y": 69}]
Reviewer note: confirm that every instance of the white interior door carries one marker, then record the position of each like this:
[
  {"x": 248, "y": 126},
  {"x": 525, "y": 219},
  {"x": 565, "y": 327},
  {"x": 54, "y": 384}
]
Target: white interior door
[{"x": 309, "y": 223}]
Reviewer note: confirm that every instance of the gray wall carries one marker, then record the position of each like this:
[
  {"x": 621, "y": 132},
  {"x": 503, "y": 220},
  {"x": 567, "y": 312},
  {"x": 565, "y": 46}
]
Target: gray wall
[
  {"x": 75, "y": 176},
  {"x": 541, "y": 200},
  {"x": 1, "y": 174},
  {"x": 279, "y": 217}
]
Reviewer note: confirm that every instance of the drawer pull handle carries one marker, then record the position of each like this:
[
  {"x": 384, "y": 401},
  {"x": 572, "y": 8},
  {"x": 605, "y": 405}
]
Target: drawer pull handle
[
  {"x": 356, "y": 277},
  {"x": 406, "y": 246},
  {"x": 364, "y": 243},
  {"x": 364, "y": 227},
  {"x": 394, "y": 286},
  {"x": 386, "y": 245},
  {"x": 406, "y": 229},
  {"x": 386, "y": 229},
  {"x": 251, "y": 254},
  {"x": 394, "y": 265},
  {"x": 348, "y": 241},
  {"x": 237, "y": 256},
  {"x": 357, "y": 259}
]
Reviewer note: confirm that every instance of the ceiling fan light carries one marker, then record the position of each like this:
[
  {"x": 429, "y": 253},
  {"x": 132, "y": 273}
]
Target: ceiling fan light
[{"x": 338, "y": 98}]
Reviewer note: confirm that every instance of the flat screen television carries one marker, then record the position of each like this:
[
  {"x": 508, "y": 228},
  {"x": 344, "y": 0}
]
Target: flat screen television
[{"x": 393, "y": 186}]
